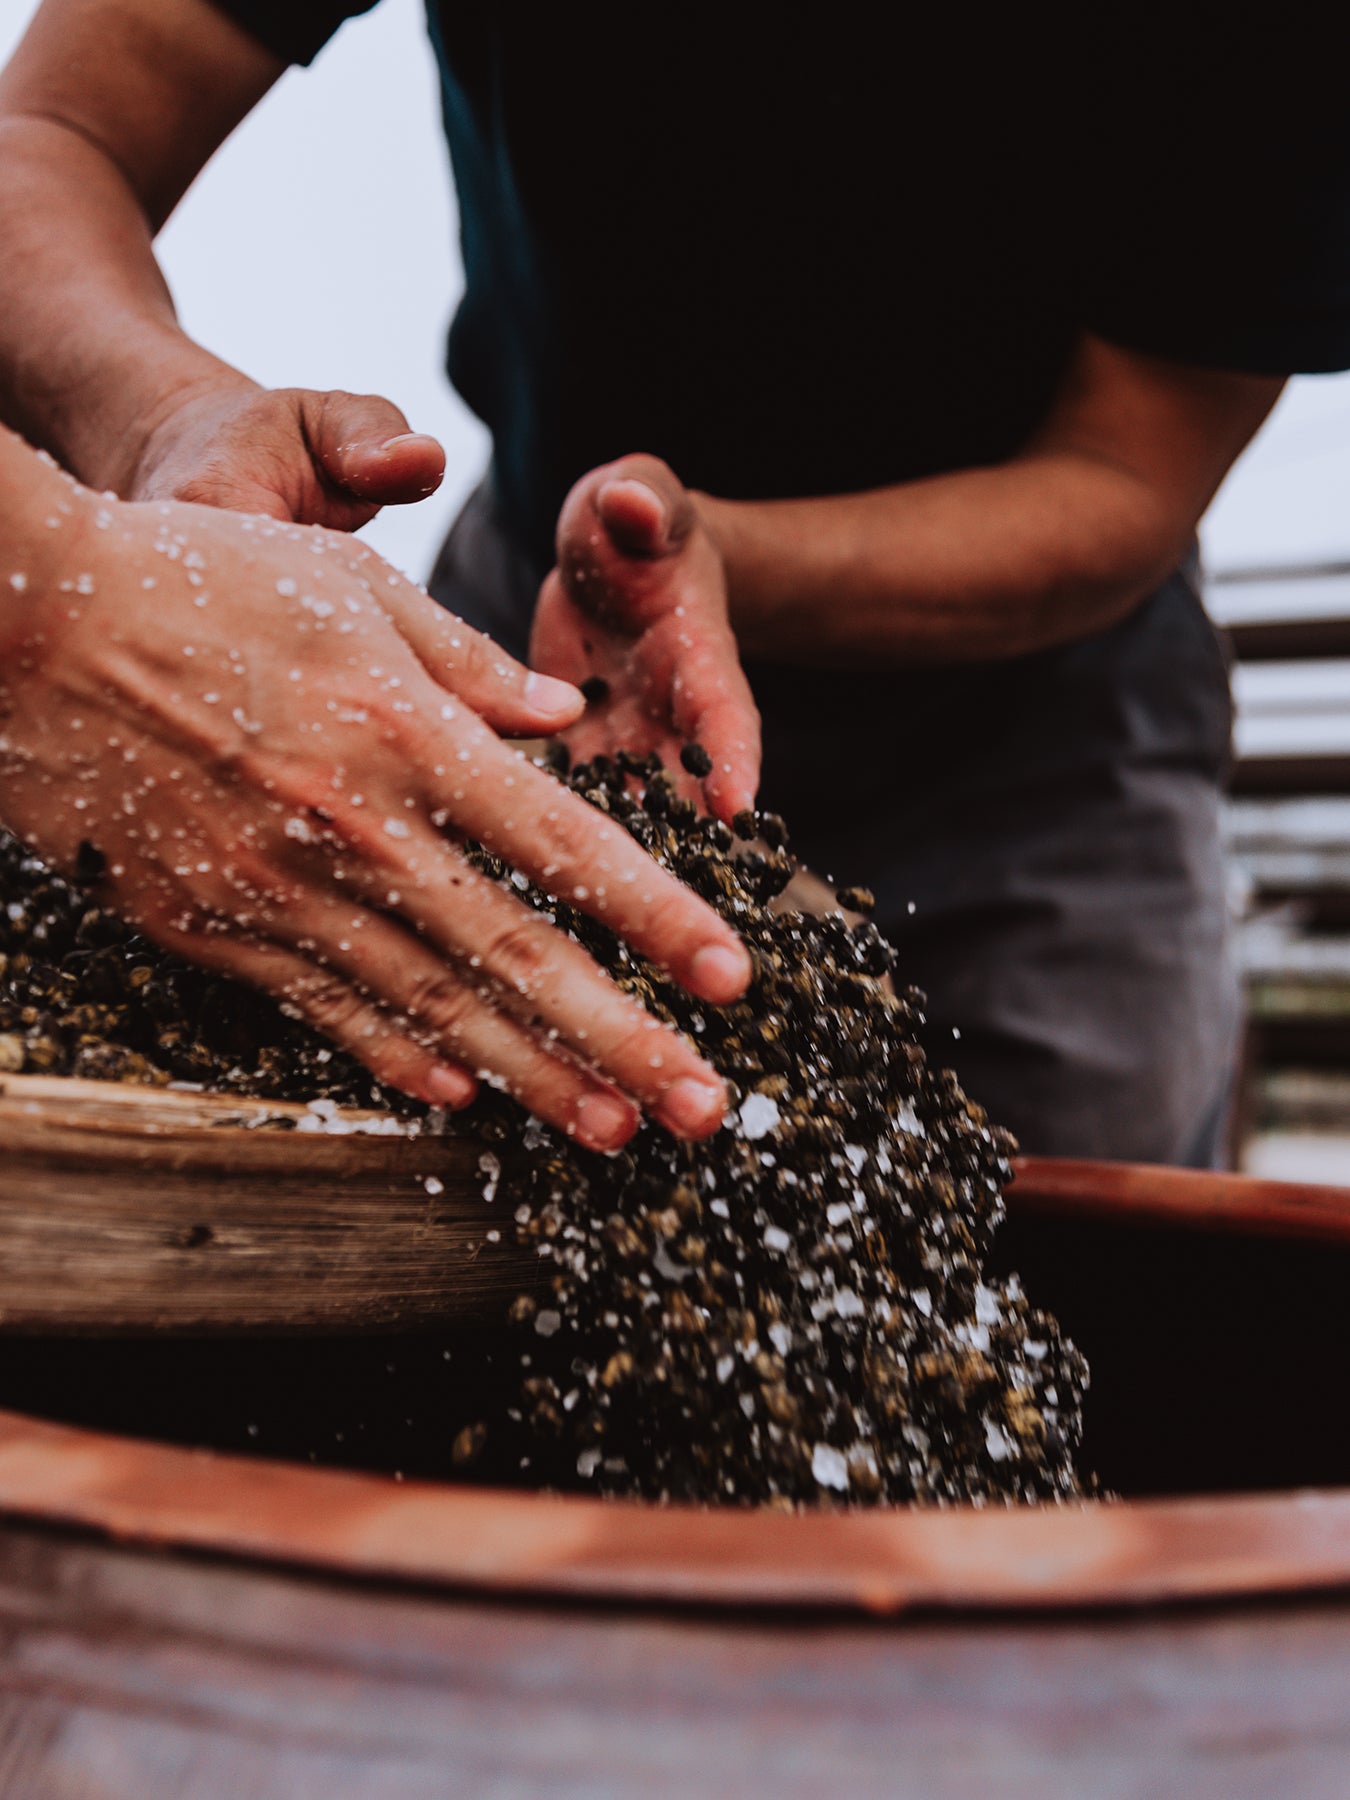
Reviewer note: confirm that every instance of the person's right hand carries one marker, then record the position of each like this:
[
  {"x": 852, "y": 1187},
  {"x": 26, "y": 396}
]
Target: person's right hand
[
  {"x": 274, "y": 740},
  {"x": 313, "y": 458}
]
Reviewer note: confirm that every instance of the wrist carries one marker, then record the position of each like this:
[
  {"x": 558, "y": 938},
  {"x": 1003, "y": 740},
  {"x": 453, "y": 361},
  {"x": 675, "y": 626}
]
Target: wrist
[
  {"x": 753, "y": 566},
  {"x": 172, "y": 407}
]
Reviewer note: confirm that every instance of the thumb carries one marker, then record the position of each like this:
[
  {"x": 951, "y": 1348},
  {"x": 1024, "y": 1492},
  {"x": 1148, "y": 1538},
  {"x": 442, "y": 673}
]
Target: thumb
[
  {"x": 620, "y": 529},
  {"x": 362, "y": 443}
]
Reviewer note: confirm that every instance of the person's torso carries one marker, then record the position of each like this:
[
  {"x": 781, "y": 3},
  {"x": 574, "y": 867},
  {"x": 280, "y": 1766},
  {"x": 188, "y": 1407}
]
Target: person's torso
[{"x": 786, "y": 261}]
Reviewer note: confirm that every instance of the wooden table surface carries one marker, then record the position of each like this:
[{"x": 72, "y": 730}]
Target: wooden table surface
[{"x": 131, "y": 1676}]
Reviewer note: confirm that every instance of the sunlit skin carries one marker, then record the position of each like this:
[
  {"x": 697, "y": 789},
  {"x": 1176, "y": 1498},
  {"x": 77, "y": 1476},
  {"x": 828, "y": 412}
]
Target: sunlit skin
[{"x": 107, "y": 113}]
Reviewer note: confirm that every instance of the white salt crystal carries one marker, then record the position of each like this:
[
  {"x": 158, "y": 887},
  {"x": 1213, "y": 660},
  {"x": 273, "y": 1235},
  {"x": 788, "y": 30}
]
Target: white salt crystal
[
  {"x": 829, "y": 1468},
  {"x": 758, "y": 1115},
  {"x": 434, "y": 1185},
  {"x": 906, "y": 1119},
  {"x": 547, "y": 1322},
  {"x": 775, "y": 1238},
  {"x": 997, "y": 1442}
]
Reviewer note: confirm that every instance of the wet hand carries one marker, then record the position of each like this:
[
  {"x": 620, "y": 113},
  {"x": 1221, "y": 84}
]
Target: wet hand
[
  {"x": 330, "y": 459},
  {"x": 277, "y": 744},
  {"x": 637, "y": 606}
]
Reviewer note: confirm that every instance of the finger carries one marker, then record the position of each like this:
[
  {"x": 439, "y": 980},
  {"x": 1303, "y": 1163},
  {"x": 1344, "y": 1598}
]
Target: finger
[
  {"x": 363, "y": 444},
  {"x": 617, "y": 527},
  {"x": 507, "y": 696},
  {"x": 559, "y": 644},
  {"x": 334, "y": 1007},
  {"x": 543, "y": 978},
  {"x": 712, "y": 705},
  {"x": 372, "y": 969},
  {"x": 639, "y": 518},
  {"x": 575, "y": 852}
]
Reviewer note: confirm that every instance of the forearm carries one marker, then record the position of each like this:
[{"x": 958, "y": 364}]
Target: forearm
[
  {"x": 90, "y": 348},
  {"x": 1059, "y": 542},
  {"x": 108, "y": 109},
  {"x": 982, "y": 564}
]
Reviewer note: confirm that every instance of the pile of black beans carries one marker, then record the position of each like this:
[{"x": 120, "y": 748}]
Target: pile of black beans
[
  {"x": 83, "y": 993},
  {"x": 795, "y": 1311}
]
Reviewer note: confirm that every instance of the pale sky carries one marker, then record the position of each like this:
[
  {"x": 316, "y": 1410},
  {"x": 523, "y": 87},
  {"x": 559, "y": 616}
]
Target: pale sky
[{"x": 318, "y": 250}]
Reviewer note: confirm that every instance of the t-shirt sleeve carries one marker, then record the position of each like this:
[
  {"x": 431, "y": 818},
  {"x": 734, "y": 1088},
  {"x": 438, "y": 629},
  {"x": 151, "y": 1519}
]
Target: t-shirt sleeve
[
  {"x": 1215, "y": 228},
  {"x": 294, "y": 30}
]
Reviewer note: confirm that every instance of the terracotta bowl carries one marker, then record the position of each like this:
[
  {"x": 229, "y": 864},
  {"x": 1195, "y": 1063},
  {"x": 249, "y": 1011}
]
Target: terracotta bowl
[{"x": 118, "y": 1219}]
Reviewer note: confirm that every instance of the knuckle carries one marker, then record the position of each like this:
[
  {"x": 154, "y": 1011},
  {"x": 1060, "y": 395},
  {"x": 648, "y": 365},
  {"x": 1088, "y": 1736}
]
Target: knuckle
[
  {"x": 202, "y": 487},
  {"x": 516, "y": 955},
  {"x": 327, "y": 1000},
  {"x": 642, "y": 1053},
  {"x": 438, "y": 1002}
]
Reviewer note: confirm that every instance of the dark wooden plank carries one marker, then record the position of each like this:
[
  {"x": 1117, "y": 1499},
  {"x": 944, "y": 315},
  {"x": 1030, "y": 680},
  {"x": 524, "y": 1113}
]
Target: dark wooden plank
[
  {"x": 1290, "y": 639},
  {"x": 1275, "y": 775}
]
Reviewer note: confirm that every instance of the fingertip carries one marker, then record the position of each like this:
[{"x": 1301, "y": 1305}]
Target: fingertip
[
  {"x": 603, "y": 1122},
  {"x": 634, "y": 514},
  {"x": 720, "y": 973},
  {"x": 445, "y": 1085},
  {"x": 409, "y": 465},
  {"x": 554, "y": 703},
  {"x": 693, "y": 1107}
]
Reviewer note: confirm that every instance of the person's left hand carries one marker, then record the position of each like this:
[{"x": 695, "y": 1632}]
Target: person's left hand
[{"x": 638, "y": 600}]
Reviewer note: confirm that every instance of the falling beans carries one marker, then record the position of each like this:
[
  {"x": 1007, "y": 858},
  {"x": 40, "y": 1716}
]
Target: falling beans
[{"x": 797, "y": 1310}]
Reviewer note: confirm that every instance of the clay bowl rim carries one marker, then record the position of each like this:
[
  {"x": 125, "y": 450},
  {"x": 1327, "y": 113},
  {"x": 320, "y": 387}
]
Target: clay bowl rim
[{"x": 505, "y": 1544}]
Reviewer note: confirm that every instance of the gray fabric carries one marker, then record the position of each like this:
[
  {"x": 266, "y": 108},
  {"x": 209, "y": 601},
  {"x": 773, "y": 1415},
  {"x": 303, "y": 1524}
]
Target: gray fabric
[{"x": 1054, "y": 823}]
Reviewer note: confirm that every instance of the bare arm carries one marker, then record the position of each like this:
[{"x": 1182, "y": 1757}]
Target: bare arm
[
  {"x": 108, "y": 110},
  {"x": 1059, "y": 542}
]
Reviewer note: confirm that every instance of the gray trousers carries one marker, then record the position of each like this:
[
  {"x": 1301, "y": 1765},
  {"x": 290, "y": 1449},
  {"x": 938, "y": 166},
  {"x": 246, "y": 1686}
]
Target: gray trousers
[{"x": 1042, "y": 836}]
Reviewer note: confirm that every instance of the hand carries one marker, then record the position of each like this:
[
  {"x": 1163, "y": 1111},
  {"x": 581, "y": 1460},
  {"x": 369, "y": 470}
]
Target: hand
[
  {"x": 329, "y": 459},
  {"x": 639, "y": 599},
  {"x": 274, "y": 740}
]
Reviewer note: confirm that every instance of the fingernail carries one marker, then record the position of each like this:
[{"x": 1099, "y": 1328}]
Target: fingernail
[
  {"x": 552, "y": 697},
  {"x": 720, "y": 973},
  {"x": 450, "y": 1087},
  {"x": 661, "y": 523},
  {"x": 406, "y": 437},
  {"x": 603, "y": 1122},
  {"x": 693, "y": 1108}
]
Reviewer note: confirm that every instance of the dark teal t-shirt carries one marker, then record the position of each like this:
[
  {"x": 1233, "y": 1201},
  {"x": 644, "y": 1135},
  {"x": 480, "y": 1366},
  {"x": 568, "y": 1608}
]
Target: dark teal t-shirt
[{"x": 819, "y": 252}]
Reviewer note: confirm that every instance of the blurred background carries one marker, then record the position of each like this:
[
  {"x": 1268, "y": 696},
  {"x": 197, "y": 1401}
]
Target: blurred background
[{"x": 319, "y": 250}]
